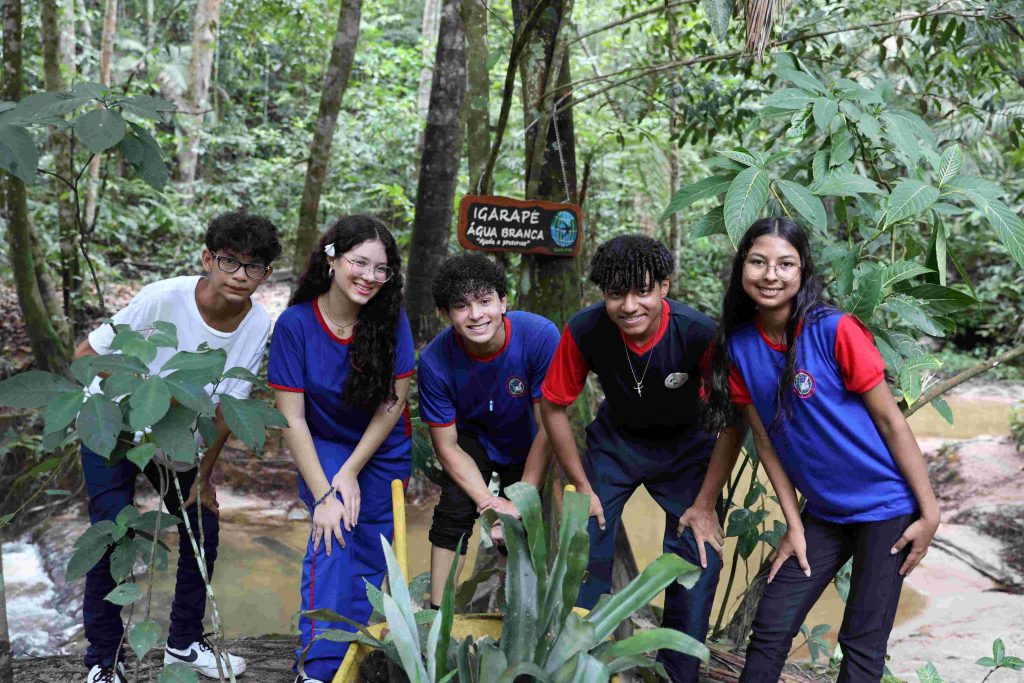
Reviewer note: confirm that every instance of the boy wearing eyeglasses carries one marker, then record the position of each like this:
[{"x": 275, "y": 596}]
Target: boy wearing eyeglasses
[{"x": 215, "y": 309}]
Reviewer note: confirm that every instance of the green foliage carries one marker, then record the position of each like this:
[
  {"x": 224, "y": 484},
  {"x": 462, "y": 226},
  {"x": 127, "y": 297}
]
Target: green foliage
[{"x": 541, "y": 636}]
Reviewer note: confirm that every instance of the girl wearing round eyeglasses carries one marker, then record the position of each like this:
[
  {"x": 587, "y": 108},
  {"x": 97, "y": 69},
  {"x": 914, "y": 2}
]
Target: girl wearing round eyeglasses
[
  {"x": 812, "y": 385},
  {"x": 341, "y": 358}
]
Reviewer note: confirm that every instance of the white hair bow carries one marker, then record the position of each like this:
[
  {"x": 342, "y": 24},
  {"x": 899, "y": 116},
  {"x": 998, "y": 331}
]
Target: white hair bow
[{"x": 329, "y": 250}]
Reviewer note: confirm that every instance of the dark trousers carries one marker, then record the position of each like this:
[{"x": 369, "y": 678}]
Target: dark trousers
[
  {"x": 110, "y": 489},
  {"x": 870, "y": 609},
  {"x": 456, "y": 513},
  {"x": 672, "y": 471}
]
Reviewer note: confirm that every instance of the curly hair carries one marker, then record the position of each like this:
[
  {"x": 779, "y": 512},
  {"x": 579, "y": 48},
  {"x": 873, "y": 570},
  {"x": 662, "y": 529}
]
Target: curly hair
[
  {"x": 630, "y": 262},
  {"x": 738, "y": 308},
  {"x": 244, "y": 233},
  {"x": 371, "y": 381},
  {"x": 467, "y": 275}
]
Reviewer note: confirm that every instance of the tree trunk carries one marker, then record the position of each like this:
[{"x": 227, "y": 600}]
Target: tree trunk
[
  {"x": 60, "y": 141},
  {"x": 106, "y": 57},
  {"x": 431, "y": 20},
  {"x": 6, "y": 672},
  {"x": 43, "y": 330},
  {"x": 66, "y": 26},
  {"x": 439, "y": 171},
  {"x": 674, "y": 238},
  {"x": 478, "y": 115},
  {"x": 343, "y": 52},
  {"x": 200, "y": 66}
]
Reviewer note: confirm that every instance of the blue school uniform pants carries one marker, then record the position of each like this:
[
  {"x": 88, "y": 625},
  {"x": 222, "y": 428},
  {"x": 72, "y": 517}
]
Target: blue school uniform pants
[
  {"x": 672, "y": 471},
  {"x": 111, "y": 487}
]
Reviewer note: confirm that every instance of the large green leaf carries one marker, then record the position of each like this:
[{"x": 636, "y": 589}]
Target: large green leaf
[
  {"x": 655, "y": 639},
  {"x": 527, "y": 501},
  {"x": 244, "y": 419},
  {"x": 405, "y": 638},
  {"x": 189, "y": 394},
  {"x": 439, "y": 639},
  {"x": 928, "y": 674},
  {"x": 641, "y": 590},
  {"x": 901, "y": 134},
  {"x": 141, "y": 455},
  {"x": 845, "y": 185},
  {"x": 143, "y": 637},
  {"x": 824, "y": 109},
  {"x": 85, "y": 558},
  {"x": 702, "y": 189},
  {"x": 943, "y": 299},
  {"x": 151, "y": 166},
  {"x": 1009, "y": 228},
  {"x": 178, "y": 672},
  {"x": 569, "y": 564},
  {"x": 206, "y": 361},
  {"x": 718, "y": 13},
  {"x": 519, "y": 635},
  {"x": 949, "y": 165},
  {"x": 908, "y": 199},
  {"x": 100, "y": 129},
  {"x": 18, "y": 153},
  {"x": 122, "y": 560},
  {"x": 63, "y": 410},
  {"x": 911, "y": 313},
  {"x": 806, "y": 204},
  {"x": 124, "y": 594},
  {"x": 173, "y": 434},
  {"x": 802, "y": 79},
  {"x": 398, "y": 585},
  {"x": 842, "y": 147},
  {"x": 149, "y": 403},
  {"x": 789, "y": 98},
  {"x": 99, "y": 423},
  {"x": 711, "y": 223},
  {"x": 867, "y": 295},
  {"x": 576, "y": 636},
  {"x": 900, "y": 271},
  {"x": 744, "y": 200},
  {"x": 33, "y": 389}
]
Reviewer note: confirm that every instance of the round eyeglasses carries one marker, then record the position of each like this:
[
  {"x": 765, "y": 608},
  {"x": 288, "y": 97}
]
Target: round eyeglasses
[
  {"x": 757, "y": 268},
  {"x": 229, "y": 264},
  {"x": 360, "y": 267}
]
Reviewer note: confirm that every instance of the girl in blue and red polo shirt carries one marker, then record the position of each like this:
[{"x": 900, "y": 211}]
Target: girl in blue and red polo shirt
[
  {"x": 811, "y": 383},
  {"x": 341, "y": 359}
]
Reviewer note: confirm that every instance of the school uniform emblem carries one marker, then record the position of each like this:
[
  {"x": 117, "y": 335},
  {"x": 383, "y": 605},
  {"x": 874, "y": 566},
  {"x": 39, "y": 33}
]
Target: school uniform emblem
[
  {"x": 676, "y": 380},
  {"x": 803, "y": 384},
  {"x": 516, "y": 386}
]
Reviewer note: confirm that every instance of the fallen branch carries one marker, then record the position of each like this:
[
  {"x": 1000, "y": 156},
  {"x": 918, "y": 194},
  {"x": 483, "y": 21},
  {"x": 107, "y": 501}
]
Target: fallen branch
[{"x": 941, "y": 388}]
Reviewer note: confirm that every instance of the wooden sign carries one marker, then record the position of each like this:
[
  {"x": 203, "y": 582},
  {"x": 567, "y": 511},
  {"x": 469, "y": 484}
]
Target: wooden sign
[{"x": 489, "y": 223}]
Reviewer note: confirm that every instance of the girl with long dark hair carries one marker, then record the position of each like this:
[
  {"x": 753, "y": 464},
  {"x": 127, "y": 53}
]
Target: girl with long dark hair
[
  {"x": 340, "y": 362},
  {"x": 812, "y": 386}
]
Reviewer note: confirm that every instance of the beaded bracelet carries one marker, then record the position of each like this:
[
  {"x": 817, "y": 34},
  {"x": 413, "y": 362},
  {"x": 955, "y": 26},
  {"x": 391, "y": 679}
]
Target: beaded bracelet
[{"x": 324, "y": 497}]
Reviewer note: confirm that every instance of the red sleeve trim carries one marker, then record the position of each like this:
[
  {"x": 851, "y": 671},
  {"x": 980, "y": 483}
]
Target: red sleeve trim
[
  {"x": 406, "y": 374},
  {"x": 738, "y": 391},
  {"x": 567, "y": 373},
  {"x": 281, "y": 387},
  {"x": 439, "y": 424},
  {"x": 859, "y": 361}
]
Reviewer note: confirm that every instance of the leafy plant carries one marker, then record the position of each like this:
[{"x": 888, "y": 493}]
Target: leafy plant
[{"x": 542, "y": 636}]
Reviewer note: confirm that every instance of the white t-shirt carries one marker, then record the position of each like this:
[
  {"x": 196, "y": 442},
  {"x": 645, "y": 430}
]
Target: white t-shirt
[{"x": 174, "y": 301}]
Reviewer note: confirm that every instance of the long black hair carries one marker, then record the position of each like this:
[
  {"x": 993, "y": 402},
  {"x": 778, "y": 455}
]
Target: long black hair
[
  {"x": 371, "y": 381},
  {"x": 738, "y": 308}
]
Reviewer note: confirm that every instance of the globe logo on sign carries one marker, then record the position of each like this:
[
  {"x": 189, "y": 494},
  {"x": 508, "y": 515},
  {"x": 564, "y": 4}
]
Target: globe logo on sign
[{"x": 563, "y": 228}]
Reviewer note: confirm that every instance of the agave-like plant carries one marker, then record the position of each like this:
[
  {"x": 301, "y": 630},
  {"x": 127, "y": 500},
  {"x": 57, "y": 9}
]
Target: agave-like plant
[{"x": 542, "y": 636}]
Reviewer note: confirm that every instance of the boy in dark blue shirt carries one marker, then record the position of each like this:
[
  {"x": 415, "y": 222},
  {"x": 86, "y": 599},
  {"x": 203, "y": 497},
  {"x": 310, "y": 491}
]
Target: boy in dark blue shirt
[{"x": 479, "y": 385}]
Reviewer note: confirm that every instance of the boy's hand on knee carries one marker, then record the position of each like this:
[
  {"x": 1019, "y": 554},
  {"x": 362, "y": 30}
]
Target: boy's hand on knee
[
  {"x": 703, "y": 522},
  {"x": 793, "y": 544},
  {"x": 209, "y": 496},
  {"x": 596, "y": 509},
  {"x": 919, "y": 535},
  {"x": 502, "y": 506}
]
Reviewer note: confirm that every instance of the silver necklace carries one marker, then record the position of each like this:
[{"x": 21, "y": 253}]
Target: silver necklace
[
  {"x": 638, "y": 383},
  {"x": 340, "y": 328}
]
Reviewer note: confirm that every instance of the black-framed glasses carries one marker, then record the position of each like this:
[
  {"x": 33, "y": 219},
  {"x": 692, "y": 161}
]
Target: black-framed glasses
[
  {"x": 757, "y": 268},
  {"x": 229, "y": 264},
  {"x": 360, "y": 267}
]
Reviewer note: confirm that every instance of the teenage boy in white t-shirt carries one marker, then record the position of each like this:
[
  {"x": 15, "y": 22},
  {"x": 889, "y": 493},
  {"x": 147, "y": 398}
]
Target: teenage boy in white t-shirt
[{"x": 216, "y": 309}]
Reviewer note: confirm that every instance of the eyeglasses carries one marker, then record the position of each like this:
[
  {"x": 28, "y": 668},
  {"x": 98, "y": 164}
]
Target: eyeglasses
[
  {"x": 360, "y": 267},
  {"x": 229, "y": 264},
  {"x": 757, "y": 268}
]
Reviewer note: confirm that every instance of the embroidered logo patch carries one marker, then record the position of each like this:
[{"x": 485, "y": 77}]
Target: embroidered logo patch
[
  {"x": 803, "y": 384},
  {"x": 516, "y": 386}
]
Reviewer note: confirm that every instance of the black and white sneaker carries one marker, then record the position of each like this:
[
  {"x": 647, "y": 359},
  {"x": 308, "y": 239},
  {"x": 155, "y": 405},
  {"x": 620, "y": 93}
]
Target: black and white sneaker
[
  {"x": 306, "y": 679},
  {"x": 107, "y": 674},
  {"x": 200, "y": 657}
]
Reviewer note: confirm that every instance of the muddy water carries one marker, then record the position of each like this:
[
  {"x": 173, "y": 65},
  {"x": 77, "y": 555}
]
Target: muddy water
[{"x": 260, "y": 556}]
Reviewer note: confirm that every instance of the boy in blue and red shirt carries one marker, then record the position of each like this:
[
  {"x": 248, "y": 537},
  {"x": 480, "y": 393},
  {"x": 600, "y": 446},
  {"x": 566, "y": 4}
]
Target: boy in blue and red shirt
[{"x": 479, "y": 386}]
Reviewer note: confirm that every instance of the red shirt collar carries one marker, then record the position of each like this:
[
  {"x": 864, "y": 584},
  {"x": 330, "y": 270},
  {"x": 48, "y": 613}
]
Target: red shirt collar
[
  {"x": 485, "y": 359},
  {"x": 653, "y": 341}
]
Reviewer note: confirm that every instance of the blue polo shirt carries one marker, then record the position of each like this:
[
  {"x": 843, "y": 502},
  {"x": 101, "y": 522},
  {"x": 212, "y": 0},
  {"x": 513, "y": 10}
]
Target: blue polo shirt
[
  {"x": 830, "y": 447},
  {"x": 491, "y": 398}
]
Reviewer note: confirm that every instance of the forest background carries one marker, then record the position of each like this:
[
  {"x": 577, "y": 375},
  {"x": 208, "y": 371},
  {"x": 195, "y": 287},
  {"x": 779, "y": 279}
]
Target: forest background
[{"x": 892, "y": 129}]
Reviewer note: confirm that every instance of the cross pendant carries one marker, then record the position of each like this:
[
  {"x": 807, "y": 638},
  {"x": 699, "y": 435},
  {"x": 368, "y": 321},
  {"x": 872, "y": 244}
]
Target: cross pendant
[{"x": 639, "y": 387}]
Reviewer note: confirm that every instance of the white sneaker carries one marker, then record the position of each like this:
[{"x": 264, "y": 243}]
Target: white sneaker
[
  {"x": 200, "y": 657},
  {"x": 306, "y": 679},
  {"x": 107, "y": 674}
]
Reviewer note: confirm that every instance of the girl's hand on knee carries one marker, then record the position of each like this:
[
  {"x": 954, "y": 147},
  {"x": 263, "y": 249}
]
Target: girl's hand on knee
[
  {"x": 703, "y": 522},
  {"x": 327, "y": 518},
  {"x": 919, "y": 535},
  {"x": 347, "y": 486},
  {"x": 793, "y": 544}
]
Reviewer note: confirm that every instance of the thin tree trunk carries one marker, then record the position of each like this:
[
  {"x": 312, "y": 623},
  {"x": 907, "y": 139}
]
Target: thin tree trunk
[
  {"x": 83, "y": 16},
  {"x": 200, "y": 66},
  {"x": 60, "y": 141},
  {"x": 106, "y": 57},
  {"x": 343, "y": 52},
  {"x": 478, "y": 115},
  {"x": 66, "y": 22},
  {"x": 6, "y": 672},
  {"x": 431, "y": 23},
  {"x": 674, "y": 238},
  {"x": 43, "y": 329},
  {"x": 439, "y": 171}
]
